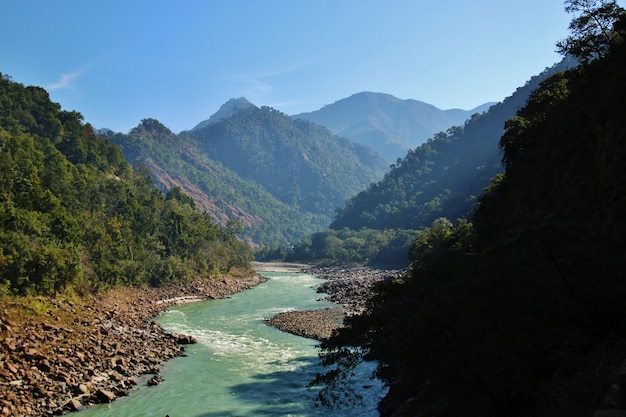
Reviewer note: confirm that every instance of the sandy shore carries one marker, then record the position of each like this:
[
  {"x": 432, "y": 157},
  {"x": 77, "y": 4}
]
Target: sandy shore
[{"x": 58, "y": 355}]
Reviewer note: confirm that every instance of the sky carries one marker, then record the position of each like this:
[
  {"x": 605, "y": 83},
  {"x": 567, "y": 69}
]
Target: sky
[{"x": 120, "y": 61}]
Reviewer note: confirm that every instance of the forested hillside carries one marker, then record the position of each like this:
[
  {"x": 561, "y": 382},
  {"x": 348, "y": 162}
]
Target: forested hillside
[
  {"x": 444, "y": 176},
  {"x": 73, "y": 213},
  {"x": 299, "y": 162},
  {"x": 227, "y": 198},
  {"x": 255, "y": 168},
  {"x": 522, "y": 312}
]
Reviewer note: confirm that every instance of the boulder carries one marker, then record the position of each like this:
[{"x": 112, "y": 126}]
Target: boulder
[
  {"x": 105, "y": 396},
  {"x": 155, "y": 380},
  {"x": 183, "y": 339},
  {"x": 75, "y": 405}
]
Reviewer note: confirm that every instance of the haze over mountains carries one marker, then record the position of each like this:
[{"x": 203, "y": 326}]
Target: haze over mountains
[
  {"x": 389, "y": 125},
  {"x": 283, "y": 177},
  {"x": 442, "y": 177}
]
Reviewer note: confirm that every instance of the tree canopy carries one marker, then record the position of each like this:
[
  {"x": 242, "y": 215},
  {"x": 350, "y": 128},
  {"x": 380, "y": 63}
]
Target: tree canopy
[
  {"x": 73, "y": 212},
  {"x": 522, "y": 312},
  {"x": 593, "y": 28}
]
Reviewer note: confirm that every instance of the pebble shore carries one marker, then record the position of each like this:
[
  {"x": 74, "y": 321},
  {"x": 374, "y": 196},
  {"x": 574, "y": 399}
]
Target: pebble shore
[
  {"x": 68, "y": 353},
  {"x": 349, "y": 287}
]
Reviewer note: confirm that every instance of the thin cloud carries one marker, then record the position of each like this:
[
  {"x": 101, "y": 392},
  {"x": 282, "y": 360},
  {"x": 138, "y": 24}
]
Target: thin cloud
[
  {"x": 66, "y": 81},
  {"x": 258, "y": 83}
]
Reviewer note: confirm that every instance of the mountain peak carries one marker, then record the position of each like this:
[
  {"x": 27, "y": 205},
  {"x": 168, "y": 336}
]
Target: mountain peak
[
  {"x": 389, "y": 125},
  {"x": 226, "y": 110}
]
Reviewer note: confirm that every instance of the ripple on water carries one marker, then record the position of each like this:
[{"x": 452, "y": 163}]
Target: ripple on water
[{"x": 241, "y": 367}]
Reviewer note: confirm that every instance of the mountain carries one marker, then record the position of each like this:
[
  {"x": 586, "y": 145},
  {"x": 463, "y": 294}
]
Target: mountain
[
  {"x": 385, "y": 123},
  {"x": 299, "y": 162},
  {"x": 280, "y": 178},
  {"x": 226, "y": 110},
  {"x": 442, "y": 177}
]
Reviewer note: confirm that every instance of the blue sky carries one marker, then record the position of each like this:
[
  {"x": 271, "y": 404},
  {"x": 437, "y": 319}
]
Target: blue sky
[{"x": 118, "y": 62}]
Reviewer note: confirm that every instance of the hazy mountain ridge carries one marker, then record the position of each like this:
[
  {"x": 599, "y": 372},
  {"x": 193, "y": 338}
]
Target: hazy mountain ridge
[
  {"x": 389, "y": 125},
  {"x": 226, "y": 110},
  {"x": 442, "y": 177}
]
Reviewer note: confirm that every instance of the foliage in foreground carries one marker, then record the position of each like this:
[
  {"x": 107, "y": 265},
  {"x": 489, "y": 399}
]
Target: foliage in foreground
[{"x": 525, "y": 314}]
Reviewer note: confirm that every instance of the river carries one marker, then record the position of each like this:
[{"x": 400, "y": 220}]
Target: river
[{"x": 240, "y": 366}]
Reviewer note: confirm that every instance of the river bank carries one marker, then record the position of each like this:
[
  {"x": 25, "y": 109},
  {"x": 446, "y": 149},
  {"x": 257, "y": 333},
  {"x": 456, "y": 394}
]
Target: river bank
[
  {"x": 349, "y": 287},
  {"x": 58, "y": 355}
]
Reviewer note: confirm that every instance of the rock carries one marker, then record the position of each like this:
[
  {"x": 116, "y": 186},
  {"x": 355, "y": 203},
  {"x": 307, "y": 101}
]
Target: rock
[
  {"x": 65, "y": 361},
  {"x": 155, "y": 380},
  {"x": 75, "y": 405},
  {"x": 12, "y": 368},
  {"x": 313, "y": 324},
  {"x": 33, "y": 353},
  {"x": 105, "y": 396},
  {"x": 182, "y": 339}
]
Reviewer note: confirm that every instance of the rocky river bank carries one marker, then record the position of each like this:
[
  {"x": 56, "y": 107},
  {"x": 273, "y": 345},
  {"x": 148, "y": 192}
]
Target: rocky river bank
[
  {"x": 349, "y": 287},
  {"x": 58, "y": 355}
]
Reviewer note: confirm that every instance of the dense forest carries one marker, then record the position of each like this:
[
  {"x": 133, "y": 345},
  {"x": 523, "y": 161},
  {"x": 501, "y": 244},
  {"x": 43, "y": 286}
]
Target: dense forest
[
  {"x": 444, "y": 176},
  {"x": 437, "y": 181},
  {"x": 75, "y": 215},
  {"x": 299, "y": 162},
  {"x": 278, "y": 178},
  {"x": 522, "y": 311}
]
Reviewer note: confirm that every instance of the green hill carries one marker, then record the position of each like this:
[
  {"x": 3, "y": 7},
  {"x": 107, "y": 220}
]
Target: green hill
[
  {"x": 280, "y": 179},
  {"x": 175, "y": 161},
  {"x": 299, "y": 162},
  {"x": 73, "y": 213}
]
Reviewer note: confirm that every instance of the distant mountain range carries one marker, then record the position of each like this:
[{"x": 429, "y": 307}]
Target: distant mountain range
[
  {"x": 389, "y": 125},
  {"x": 284, "y": 177}
]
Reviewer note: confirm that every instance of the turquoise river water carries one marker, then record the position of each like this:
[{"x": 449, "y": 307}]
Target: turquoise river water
[{"x": 240, "y": 366}]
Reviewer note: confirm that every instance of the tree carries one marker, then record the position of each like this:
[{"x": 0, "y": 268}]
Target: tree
[{"x": 592, "y": 29}]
